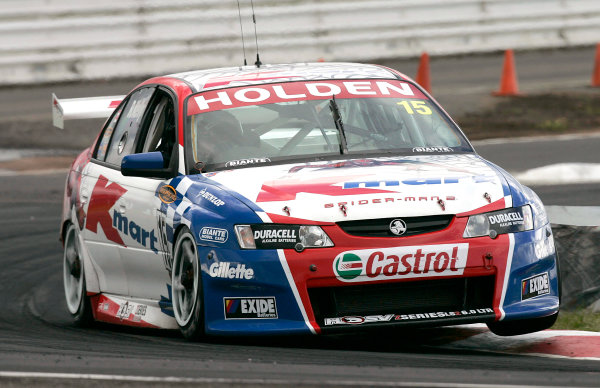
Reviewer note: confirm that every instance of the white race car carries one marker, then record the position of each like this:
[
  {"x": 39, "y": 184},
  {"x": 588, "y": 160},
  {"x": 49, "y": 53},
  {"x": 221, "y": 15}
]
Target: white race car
[{"x": 303, "y": 198}]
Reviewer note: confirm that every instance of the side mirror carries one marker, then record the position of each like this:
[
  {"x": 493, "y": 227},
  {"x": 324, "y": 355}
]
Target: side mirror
[{"x": 148, "y": 164}]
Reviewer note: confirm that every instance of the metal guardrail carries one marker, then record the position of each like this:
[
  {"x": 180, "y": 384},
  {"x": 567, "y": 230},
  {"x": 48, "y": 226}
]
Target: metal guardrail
[{"x": 58, "y": 40}]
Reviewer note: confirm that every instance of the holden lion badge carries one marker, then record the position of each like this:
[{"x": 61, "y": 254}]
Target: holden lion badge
[{"x": 398, "y": 227}]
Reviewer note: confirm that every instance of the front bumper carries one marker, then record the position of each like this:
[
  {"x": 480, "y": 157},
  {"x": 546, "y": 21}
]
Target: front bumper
[{"x": 296, "y": 283}]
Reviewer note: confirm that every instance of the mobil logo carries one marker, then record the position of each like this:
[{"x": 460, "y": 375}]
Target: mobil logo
[{"x": 401, "y": 262}]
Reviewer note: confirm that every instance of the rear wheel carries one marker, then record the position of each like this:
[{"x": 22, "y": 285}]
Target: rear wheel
[
  {"x": 76, "y": 297},
  {"x": 186, "y": 281},
  {"x": 522, "y": 326}
]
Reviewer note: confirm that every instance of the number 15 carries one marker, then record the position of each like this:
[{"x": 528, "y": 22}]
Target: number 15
[{"x": 419, "y": 107}]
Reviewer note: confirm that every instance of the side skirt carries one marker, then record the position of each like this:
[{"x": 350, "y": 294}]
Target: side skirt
[{"x": 132, "y": 312}]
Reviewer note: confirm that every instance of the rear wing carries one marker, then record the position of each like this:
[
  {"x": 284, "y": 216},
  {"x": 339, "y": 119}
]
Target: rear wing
[{"x": 82, "y": 108}]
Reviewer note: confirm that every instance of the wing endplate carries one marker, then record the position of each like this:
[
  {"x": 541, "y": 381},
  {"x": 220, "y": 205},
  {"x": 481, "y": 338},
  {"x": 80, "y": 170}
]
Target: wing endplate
[{"x": 82, "y": 108}]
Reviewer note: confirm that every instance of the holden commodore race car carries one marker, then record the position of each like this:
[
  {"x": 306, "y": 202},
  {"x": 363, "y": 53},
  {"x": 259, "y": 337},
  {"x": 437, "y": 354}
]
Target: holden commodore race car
[{"x": 292, "y": 199}]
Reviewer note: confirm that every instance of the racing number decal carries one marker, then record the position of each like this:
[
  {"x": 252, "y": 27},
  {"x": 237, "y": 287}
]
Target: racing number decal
[{"x": 415, "y": 106}]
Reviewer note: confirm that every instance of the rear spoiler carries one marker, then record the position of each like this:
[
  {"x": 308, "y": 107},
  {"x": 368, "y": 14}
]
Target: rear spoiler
[{"x": 82, "y": 108}]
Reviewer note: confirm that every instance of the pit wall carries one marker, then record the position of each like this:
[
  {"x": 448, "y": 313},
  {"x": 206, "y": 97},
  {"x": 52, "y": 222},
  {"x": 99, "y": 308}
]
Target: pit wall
[{"x": 62, "y": 40}]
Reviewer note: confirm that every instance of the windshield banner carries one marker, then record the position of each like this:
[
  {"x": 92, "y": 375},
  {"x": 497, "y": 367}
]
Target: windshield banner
[{"x": 298, "y": 91}]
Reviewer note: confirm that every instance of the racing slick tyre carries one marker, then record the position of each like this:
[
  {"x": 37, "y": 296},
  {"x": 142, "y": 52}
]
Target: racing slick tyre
[
  {"x": 188, "y": 306},
  {"x": 522, "y": 326},
  {"x": 78, "y": 303}
]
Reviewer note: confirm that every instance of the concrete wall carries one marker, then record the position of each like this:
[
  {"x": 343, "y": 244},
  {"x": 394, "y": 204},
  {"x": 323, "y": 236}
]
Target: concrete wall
[{"x": 58, "y": 40}]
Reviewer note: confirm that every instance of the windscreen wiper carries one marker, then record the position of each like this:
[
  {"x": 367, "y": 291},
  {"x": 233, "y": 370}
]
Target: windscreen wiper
[{"x": 339, "y": 124}]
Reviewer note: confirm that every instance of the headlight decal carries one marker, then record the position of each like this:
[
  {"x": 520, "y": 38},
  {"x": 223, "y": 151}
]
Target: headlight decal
[
  {"x": 281, "y": 236},
  {"x": 503, "y": 221},
  {"x": 273, "y": 236},
  {"x": 511, "y": 220}
]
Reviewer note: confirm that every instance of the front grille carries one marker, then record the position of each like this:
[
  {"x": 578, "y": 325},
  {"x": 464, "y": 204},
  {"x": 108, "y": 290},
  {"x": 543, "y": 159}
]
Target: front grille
[
  {"x": 403, "y": 298},
  {"x": 380, "y": 227}
]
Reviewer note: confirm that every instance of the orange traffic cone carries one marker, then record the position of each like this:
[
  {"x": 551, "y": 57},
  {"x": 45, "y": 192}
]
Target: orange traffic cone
[
  {"x": 596, "y": 73},
  {"x": 509, "y": 85},
  {"x": 423, "y": 77}
]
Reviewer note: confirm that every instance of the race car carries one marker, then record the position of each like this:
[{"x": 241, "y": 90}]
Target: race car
[{"x": 296, "y": 199}]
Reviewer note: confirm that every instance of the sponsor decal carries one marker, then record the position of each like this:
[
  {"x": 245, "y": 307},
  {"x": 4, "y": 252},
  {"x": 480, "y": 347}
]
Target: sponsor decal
[
  {"x": 225, "y": 270},
  {"x": 419, "y": 182},
  {"x": 125, "y": 309},
  {"x": 401, "y": 262},
  {"x": 211, "y": 197},
  {"x": 358, "y": 320},
  {"x": 250, "y": 308},
  {"x": 268, "y": 236},
  {"x": 348, "y": 266},
  {"x": 398, "y": 227},
  {"x": 298, "y": 91},
  {"x": 432, "y": 149},
  {"x": 507, "y": 220},
  {"x": 245, "y": 162},
  {"x": 535, "y": 286},
  {"x": 442, "y": 314},
  {"x": 514, "y": 217},
  {"x": 103, "y": 198},
  {"x": 141, "y": 310},
  {"x": 167, "y": 194},
  {"x": 211, "y": 234},
  {"x": 163, "y": 241},
  {"x": 133, "y": 230},
  {"x": 433, "y": 198}
]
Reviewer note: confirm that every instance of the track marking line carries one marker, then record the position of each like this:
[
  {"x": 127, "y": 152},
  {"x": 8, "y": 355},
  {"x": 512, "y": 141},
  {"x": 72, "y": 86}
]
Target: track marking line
[{"x": 277, "y": 382}]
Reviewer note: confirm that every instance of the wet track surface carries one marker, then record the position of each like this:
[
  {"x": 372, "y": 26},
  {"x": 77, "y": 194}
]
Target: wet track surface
[{"x": 36, "y": 334}]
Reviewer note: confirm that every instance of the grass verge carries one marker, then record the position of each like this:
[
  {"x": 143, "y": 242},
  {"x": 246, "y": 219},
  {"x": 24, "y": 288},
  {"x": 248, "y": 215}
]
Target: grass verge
[
  {"x": 578, "y": 320},
  {"x": 536, "y": 114}
]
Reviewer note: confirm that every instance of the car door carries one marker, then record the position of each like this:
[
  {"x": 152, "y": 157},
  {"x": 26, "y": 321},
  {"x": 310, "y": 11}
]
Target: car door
[
  {"x": 108, "y": 195},
  {"x": 146, "y": 259}
]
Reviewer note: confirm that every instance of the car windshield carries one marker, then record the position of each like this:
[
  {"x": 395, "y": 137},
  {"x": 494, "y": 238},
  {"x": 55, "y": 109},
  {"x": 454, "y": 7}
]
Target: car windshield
[{"x": 313, "y": 120}]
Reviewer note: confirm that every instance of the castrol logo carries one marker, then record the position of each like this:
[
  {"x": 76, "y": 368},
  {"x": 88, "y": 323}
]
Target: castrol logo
[{"x": 401, "y": 262}]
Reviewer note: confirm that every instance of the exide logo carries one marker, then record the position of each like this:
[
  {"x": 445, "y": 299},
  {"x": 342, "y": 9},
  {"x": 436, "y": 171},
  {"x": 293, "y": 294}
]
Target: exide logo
[{"x": 401, "y": 262}]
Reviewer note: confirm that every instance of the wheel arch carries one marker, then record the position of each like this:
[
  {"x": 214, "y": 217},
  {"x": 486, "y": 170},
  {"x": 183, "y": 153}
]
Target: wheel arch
[
  {"x": 63, "y": 230},
  {"x": 178, "y": 231}
]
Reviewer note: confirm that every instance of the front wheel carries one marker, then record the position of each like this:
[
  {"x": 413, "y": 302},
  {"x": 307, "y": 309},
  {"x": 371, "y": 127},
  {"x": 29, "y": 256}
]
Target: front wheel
[
  {"x": 186, "y": 281},
  {"x": 522, "y": 326},
  {"x": 76, "y": 297}
]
